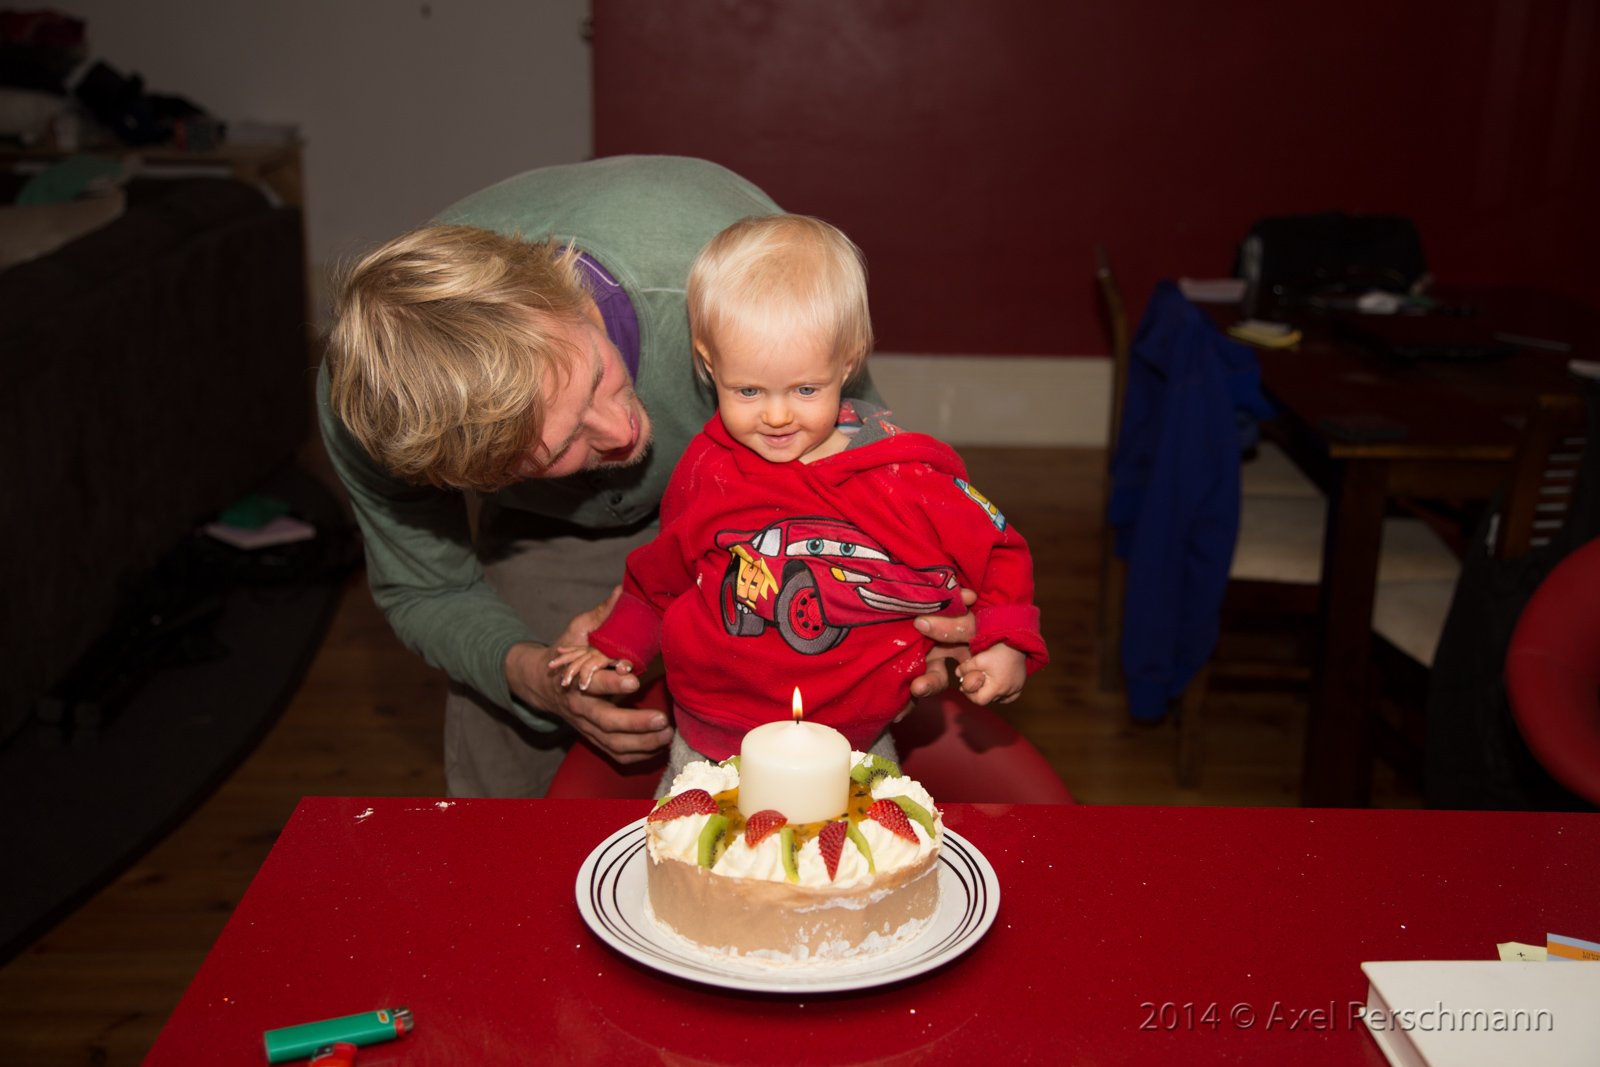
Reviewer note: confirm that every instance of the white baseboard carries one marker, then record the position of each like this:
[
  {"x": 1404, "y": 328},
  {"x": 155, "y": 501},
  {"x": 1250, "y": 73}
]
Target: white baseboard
[{"x": 1037, "y": 401}]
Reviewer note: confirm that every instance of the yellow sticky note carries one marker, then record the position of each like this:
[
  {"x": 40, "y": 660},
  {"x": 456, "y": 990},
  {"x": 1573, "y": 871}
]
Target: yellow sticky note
[
  {"x": 1517, "y": 952},
  {"x": 1265, "y": 334}
]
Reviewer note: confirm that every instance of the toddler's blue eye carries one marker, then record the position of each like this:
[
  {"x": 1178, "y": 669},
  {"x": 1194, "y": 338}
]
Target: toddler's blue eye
[
  {"x": 748, "y": 391},
  {"x": 807, "y": 390}
]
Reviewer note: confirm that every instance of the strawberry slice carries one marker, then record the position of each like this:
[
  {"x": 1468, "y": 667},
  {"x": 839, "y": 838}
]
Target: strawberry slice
[
  {"x": 762, "y": 823},
  {"x": 894, "y": 819},
  {"x": 688, "y": 802},
  {"x": 831, "y": 841}
]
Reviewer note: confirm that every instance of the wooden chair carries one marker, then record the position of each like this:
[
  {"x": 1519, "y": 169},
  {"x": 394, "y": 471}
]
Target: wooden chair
[
  {"x": 1553, "y": 662},
  {"x": 1277, "y": 562},
  {"x": 1113, "y": 575},
  {"x": 1476, "y": 708},
  {"x": 1410, "y": 615},
  {"x": 1290, "y": 508},
  {"x": 961, "y": 752},
  {"x": 1416, "y": 578},
  {"x": 1543, "y": 475}
]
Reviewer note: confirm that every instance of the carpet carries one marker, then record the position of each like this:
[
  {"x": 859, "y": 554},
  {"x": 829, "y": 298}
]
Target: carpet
[{"x": 204, "y": 658}]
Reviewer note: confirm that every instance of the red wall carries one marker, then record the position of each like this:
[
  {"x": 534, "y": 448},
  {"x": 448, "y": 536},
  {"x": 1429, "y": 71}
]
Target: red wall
[{"x": 978, "y": 149}]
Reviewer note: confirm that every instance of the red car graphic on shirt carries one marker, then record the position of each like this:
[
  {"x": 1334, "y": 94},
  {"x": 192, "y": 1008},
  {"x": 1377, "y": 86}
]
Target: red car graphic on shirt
[{"x": 814, "y": 579}]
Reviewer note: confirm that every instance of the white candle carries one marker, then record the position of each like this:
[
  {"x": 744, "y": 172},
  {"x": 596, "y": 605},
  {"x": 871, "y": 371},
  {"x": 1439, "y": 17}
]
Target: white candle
[{"x": 801, "y": 769}]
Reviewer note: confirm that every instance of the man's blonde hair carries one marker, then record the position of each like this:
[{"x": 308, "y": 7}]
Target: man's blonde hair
[
  {"x": 775, "y": 277},
  {"x": 442, "y": 346}
]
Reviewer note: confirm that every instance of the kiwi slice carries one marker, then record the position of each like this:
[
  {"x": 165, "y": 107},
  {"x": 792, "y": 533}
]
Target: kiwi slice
[
  {"x": 786, "y": 849},
  {"x": 713, "y": 840},
  {"x": 855, "y": 835},
  {"x": 916, "y": 813},
  {"x": 731, "y": 761},
  {"x": 871, "y": 768}
]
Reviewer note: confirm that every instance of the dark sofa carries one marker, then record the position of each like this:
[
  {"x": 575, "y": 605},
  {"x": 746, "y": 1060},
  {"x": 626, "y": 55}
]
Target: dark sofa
[{"x": 151, "y": 372}]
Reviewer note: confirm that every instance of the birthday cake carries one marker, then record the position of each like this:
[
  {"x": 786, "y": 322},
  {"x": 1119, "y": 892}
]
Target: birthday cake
[{"x": 854, "y": 881}]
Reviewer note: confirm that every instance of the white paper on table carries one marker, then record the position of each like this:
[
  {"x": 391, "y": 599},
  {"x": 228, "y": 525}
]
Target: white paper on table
[{"x": 1466, "y": 1013}]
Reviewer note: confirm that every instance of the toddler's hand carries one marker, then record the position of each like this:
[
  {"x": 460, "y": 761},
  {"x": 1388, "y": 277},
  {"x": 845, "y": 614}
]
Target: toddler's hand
[
  {"x": 581, "y": 662},
  {"x": 994, "y": 675}
]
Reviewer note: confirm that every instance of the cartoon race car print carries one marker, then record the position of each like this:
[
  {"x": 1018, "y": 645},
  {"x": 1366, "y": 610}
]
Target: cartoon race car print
[{"x": 816, "y": 578}]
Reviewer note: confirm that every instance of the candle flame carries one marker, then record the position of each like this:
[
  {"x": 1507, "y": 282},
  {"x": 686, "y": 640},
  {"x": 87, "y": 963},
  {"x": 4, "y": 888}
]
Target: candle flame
[{"x": 798, "y": 711}]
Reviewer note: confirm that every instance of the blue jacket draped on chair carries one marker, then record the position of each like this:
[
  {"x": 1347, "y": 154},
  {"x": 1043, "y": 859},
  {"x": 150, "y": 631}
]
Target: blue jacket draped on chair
[{"x": 1175, "y": 492}]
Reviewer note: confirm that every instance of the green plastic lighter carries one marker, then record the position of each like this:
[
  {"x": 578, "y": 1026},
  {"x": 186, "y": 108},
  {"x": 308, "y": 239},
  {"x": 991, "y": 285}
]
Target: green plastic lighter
[{"x": 367, "y": 1028}]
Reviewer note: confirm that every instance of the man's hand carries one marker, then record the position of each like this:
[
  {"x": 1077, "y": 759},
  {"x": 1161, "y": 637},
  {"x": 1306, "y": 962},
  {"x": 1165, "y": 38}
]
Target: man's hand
[
  {"x": 950, "y": 637},
  {"x": 627, "y": 735}
]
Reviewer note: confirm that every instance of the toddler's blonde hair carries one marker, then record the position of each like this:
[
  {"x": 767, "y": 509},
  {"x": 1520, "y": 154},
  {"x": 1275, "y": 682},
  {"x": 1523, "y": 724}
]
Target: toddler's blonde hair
[{"x": 775, "y": 277}]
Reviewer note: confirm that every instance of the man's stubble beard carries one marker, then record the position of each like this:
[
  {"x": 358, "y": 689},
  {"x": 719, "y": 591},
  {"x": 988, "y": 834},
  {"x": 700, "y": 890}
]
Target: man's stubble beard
[{"x": 646, "y": 441}]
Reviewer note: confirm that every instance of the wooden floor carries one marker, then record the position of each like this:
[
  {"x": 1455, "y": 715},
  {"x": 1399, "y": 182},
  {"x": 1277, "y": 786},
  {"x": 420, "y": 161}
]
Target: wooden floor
[{"x": 367, "y": 721}]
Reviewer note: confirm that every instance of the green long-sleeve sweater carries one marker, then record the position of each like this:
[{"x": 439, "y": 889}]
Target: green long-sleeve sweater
[{"x": 643, "y": 218}]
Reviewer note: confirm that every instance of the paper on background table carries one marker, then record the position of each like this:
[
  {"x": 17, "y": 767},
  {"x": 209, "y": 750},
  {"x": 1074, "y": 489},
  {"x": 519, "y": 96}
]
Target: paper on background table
[
  {"x": 1212, "y": 290},
  {"x": 1265, "y": 334},
  {"x": 1454, "y": 1007}
]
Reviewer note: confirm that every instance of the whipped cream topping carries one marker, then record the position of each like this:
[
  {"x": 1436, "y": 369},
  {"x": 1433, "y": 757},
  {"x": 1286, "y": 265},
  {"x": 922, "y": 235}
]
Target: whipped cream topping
[
  {"x": 890, "y": 851},
  {"x": 679, "y": 838},
  {"x": 714, "y": 778},
  {"x": 813, "y": 871},
  {"x": 764, "y": 862},
  {"x": 901, "y": 786}
]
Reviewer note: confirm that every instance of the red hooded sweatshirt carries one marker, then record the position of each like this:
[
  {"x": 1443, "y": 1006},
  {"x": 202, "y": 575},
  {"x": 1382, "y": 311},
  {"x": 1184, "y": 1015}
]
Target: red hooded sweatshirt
[{"x": 767, "y": 576}]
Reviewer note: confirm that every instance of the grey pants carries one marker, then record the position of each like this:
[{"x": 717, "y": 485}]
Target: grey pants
[{"x": 548, "y": 572}]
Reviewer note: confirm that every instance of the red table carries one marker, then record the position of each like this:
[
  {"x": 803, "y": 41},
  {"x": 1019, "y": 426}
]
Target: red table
[{"x": 1124, "y": 935}]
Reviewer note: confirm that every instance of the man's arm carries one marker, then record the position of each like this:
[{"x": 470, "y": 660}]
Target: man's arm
[{"x": 423, "y": 571}]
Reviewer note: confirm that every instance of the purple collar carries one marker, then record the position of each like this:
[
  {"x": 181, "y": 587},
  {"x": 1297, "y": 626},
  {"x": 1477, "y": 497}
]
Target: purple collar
[{"x": 622, "y": 324}]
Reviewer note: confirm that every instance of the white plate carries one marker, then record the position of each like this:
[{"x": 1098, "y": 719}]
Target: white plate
[{"x": 611, "y": 893}]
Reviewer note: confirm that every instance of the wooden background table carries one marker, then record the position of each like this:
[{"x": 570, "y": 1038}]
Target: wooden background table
[
  {"x": 1124, "y": 935},
  {"x": 1461, "y": 423}
]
